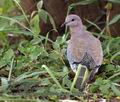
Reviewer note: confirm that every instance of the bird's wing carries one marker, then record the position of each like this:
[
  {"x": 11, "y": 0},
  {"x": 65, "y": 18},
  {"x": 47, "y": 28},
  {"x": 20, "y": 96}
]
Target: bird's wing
[
  {"x": 83, "y": 52},
  {"x": 95, "y": 50},
  {"x": 88, "y": 61},
  {"x": 75, "y": 51}
]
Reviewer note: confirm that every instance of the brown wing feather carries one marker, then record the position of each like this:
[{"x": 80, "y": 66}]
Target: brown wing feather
[{"x": 96, "y": 51}]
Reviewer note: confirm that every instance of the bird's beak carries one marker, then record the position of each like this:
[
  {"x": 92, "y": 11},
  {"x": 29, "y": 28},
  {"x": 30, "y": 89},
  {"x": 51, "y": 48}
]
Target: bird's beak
[{"x": 64, "y": 24}]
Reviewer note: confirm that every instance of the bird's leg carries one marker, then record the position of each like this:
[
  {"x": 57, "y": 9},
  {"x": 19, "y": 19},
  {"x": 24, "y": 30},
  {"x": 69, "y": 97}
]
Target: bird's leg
[{"x": 93, "y": 72}]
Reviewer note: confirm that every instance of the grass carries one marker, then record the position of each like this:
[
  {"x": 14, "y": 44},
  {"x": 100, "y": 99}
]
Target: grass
[{"x": 30, "y": 71}]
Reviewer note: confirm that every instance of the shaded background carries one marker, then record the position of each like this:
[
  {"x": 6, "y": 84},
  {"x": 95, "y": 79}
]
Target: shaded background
[{"x": 95, "y": 12}]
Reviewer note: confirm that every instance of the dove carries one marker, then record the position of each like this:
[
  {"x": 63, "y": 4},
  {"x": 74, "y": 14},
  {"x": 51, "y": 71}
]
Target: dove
[{"x": 83, "y": 48}]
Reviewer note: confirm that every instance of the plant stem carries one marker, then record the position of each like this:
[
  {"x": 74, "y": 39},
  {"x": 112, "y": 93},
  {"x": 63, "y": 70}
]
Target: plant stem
[
  {"x": 11, "y": 67},
  {"x": 76, "y": 77}
]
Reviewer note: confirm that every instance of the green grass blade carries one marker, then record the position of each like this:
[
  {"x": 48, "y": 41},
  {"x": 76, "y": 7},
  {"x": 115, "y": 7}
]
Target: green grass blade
[
  {"x": 11, "y": 68},
  {"x": 52, "y": 76},
  {"x": 22, "y": 10},
  {"x": 93, "y": 24},
  {"x": 16, "y": 21},
  {"x": 85, "y": 75},
  {"x": 114, "y": 56},
  {"x": 76, "y": 77}
]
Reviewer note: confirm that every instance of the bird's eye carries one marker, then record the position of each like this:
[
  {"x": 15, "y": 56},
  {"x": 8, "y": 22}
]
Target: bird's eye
[{"x": 72, "y": 19}]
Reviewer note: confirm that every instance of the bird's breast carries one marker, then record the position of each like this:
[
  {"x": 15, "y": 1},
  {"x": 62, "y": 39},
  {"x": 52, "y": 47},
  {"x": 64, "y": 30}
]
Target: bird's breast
[{"x": 76, "y": 49}]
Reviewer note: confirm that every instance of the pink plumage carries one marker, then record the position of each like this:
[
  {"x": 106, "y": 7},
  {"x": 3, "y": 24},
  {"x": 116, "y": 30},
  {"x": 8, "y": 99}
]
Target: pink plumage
[{"x": 83, "y": 48}]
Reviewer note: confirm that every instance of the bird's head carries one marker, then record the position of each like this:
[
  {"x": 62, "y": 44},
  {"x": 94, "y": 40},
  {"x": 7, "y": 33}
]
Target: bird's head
[{"x": 72, "y": 20}]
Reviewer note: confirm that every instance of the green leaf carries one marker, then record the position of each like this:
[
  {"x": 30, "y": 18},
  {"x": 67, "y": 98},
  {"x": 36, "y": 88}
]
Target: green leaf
[
  {"x": 16, "y": 21},
  {"x": 83, "y": 2},
  {"x": 114, "y": 19},
  {"x": 28, "y": 74},
  {"x": 115, "y": 90},
  {"x": 105, "y": 87},
  {"x": 3, "y": 38},
  {"x": 54, "y": 55},
  {"x": 109, "y": 68},
  {"x": 43, "y": 15},
  {"x": 56, "y": 46},
  {"x": 7, "y": 56},
  {"x": 115, "y": 56},
  {"x": 40, "y": 5},
  {"x": 7, "y": 5},
  {"x": 94, "y": 88},
  {"x": 36, "y": 41},
  {"x": 31, "y": 49},
  {"x": 35, "y": 51},
  {"x": 41, "y": 91},
  {"x": 45, "y": 81},
  {"x": 34, "y": 23},
  {"x": 52, "y": 21},
  {"x": 17, "y": 2},
  {"x": 1, "y": 10},
  {"x": 66, "y": 81},
  {"x": 2, "y": 63},
  {"x": 4, "y": 84},
  {"x": 114, "y": 1}
]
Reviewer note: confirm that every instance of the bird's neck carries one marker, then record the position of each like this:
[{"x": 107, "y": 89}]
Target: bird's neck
[{"x": 76, "y": 31}]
